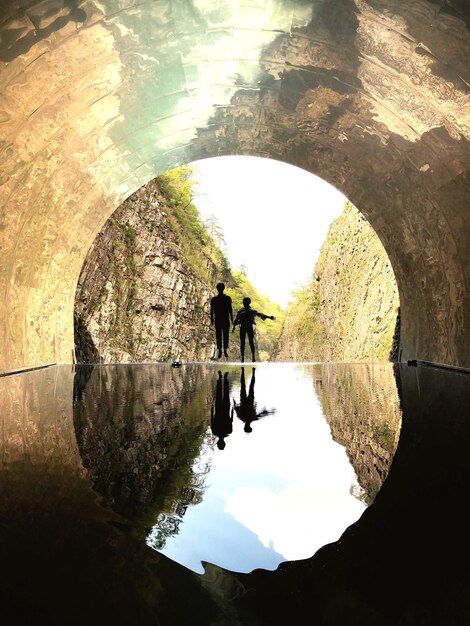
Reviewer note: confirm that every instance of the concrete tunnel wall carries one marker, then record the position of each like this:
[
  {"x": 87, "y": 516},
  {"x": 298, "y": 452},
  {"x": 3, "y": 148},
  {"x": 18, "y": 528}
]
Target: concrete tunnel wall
[{"x": 99, "y": 96}]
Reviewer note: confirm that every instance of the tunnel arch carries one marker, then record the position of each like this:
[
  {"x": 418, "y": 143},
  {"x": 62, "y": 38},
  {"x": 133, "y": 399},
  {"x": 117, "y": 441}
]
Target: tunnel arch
[{"x": 98, "y": 97}]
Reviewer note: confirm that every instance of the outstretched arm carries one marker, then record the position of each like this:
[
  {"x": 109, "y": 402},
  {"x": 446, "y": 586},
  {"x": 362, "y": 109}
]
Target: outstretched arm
[{"x": 263, "y": 316}]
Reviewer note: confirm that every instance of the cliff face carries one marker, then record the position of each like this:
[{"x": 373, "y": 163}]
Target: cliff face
[
  {"x": 144, "y": 290},
  {"x": 139, "y": 297},
  {"x": 348, "y": 312}
]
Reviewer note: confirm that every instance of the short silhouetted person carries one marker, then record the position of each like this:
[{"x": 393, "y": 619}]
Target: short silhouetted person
[
  {"x": 246, "y": 409},
  {"x": 221, "y": 317},
  {"x": 221, "y": 418},
  {"x": 245, "y": 317}
]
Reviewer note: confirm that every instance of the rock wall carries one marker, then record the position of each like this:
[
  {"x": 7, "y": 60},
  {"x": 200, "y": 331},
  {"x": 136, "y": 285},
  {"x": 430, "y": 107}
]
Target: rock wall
[
  {"x": 138, "y": 297},
  {"x": 348, "y": 312}
]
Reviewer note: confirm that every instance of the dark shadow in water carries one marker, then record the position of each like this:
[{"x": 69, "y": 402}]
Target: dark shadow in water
[
  {"x": 221, "y": 416},
  {"x": 67, "y": 559},
  {"x": 406, "y": 560},
  {"x": 72, "y": 541},
  {"x": 246, "y": 410}
]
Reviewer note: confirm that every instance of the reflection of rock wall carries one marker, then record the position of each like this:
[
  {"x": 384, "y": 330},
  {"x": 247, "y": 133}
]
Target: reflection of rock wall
[
  {"x": 361, "y": 405},
  {"x": 37, "y": 429},
  {"x": 64, "y": 561},
  {"x": 138, "y": 299},
  {"x": 140, "y": 427}
]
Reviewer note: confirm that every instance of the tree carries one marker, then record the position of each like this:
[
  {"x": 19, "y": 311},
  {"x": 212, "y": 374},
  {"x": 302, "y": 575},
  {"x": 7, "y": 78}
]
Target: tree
[{"x": 215, "y": 231}]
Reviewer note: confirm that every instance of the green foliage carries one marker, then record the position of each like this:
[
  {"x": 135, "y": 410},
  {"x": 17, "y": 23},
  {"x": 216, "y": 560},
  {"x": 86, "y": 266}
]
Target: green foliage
[
  {"x": 175, "y": 187},
  {"x": 302, "y": 323},
  {"x": 201, "y": 249},
  {"x": 126, "y": 283},
  {"x": 199, "y": 240}
]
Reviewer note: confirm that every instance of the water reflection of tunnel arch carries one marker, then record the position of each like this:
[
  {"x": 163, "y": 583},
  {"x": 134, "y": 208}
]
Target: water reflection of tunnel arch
[
  {"x": 375, "y": 102},
  {"x": 147, "y": 435}
]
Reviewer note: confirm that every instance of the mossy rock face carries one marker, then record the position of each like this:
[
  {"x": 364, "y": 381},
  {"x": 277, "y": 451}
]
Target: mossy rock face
[
  {"x": 348, "y": 311},
  {"x": 145, "y": 288}
]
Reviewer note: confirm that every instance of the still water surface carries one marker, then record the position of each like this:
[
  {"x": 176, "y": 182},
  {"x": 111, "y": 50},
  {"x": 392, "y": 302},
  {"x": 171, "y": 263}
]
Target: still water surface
[
  {"x": 280, "y": 487},
  {"x": 259, "y": 470},
  {"x": 339, "y": 497}
]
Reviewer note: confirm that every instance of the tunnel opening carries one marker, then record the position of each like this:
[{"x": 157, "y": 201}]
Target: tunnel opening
[
  {"x": 145, "y": 289},
  {"x": 193, "y": 511},
  {"x": 374, "y": 97}
]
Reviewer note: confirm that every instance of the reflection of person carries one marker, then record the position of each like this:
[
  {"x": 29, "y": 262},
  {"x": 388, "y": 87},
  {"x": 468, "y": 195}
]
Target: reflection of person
[
  {"x": 245, "y": 317},
  {"x": 221, "y": 419},
  {"x": 221, "y": 316},
  {"x": 246, "y": 409}
]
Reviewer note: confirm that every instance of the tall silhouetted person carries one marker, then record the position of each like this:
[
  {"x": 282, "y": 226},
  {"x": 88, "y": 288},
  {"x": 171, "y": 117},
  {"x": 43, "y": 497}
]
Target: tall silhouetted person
[
  {"x": 221, "y": 418},
  {"x": 221, "y": 317},
  {"x": 245, "y": 317},
  {"x": 246, "y": 409}
]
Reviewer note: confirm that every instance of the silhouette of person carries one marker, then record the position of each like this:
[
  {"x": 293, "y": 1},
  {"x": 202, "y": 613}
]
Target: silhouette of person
[
  {"x": 246, "y": 408},
  {"x": 221, "y": 316},
  {"x": 221, "y": 419},
  {"x": 245, "y": 317}
]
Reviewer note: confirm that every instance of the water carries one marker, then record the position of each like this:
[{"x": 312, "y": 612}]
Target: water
[
  {"x": 125, "y": 489},
  {"x": 279, "y": 488},
  {"x": 254, "y": 476}
]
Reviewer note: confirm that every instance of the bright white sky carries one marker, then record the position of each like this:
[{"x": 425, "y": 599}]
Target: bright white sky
[
  {"x": 274, "y": 217},
  {"x": 287, "y": 482}
]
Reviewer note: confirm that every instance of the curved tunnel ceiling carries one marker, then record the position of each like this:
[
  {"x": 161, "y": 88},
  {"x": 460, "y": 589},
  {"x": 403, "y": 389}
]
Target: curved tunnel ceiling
[{"x": 98, "y": 97}]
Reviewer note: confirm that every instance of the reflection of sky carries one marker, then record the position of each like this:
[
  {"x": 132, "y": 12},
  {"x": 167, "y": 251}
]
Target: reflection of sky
[{"x": 278, "y": 493}]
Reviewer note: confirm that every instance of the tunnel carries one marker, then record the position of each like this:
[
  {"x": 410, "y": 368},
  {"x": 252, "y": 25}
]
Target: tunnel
[{"x": 100, "y": 96}]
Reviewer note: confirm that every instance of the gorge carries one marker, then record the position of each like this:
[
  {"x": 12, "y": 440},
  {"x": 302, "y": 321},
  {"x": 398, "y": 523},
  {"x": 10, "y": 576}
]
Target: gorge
[{"x": 144, "y": 291}]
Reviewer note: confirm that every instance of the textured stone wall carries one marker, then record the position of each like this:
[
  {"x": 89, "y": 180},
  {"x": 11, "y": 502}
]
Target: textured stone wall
[
  {"x": 351, "y": 301},
  {"x": 138, "y": 298},
  {"x": 370, "y": 95}
]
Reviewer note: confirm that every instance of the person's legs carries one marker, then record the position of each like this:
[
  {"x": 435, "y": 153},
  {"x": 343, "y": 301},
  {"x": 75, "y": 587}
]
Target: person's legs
[
  {"x": 226, "y": 331},
  {"x": 242, "y": 342},
  {"x": 242, "y": 388},
  {"x": 251, "y": 393},
  {"x": 251, "y": 339},
  {"x": 218, "y": 339}
]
